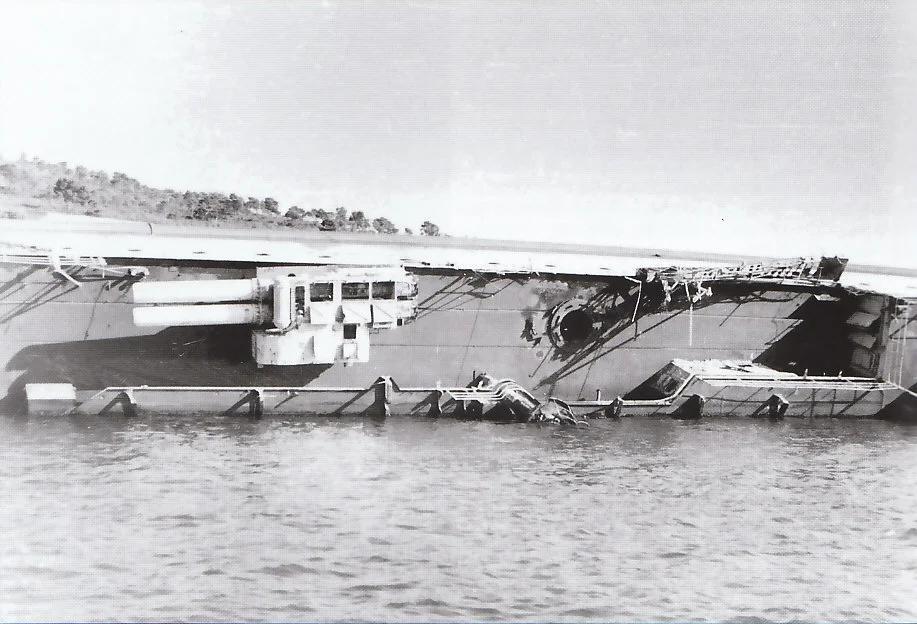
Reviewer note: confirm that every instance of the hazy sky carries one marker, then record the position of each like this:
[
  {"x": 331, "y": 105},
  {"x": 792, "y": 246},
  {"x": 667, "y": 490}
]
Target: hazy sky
[{"x": 770, "y": 127}]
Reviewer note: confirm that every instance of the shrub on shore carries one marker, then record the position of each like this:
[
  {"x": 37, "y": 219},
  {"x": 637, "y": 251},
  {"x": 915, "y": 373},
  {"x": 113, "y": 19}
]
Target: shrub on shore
[{"x": 79, "y": 189}]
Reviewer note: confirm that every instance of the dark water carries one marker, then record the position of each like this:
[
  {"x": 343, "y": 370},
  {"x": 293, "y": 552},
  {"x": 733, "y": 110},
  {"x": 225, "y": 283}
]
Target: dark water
[{"x": 228, "y": 519}]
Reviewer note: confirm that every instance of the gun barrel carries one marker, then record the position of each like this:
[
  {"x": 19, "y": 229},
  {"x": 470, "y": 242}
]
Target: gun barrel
[
  {"x": 214, "y": 314},
  {"x": 199, "y": 291}
]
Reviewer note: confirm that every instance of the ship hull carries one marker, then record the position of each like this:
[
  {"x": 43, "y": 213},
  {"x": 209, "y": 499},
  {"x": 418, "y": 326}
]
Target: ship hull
[{"x": 57, "y": 331}]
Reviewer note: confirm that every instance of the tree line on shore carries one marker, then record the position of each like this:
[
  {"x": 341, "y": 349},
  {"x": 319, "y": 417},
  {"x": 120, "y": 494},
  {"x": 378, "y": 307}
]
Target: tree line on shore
[{"x": 78, "y": 189}]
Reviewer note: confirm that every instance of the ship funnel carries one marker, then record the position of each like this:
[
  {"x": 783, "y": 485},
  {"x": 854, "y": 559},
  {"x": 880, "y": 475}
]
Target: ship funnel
[
  {"x": 216, "y": 314},
  {"x": 199, "y": 291}
]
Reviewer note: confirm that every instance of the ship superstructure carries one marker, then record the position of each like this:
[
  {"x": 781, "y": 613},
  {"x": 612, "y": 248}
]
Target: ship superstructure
[{"x": 300, "y": 315}]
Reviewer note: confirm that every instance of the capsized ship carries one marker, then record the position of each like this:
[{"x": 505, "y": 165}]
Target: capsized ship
[{"x": 101, "y": 315}]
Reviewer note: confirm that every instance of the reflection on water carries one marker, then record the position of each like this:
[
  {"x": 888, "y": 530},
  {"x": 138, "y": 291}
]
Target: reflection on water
[{"x": 212, "y": 518}]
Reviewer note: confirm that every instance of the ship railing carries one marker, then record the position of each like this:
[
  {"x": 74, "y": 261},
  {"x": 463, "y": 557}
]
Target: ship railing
[
  {"x": 801, "y": 384},
  {"x": 497, "y": 392},
  {"x": 60, "y": 263},
  {"x": 665, "y": 401},
  {"x": 795, "y": 382},
  {"x": 799, "y": 272},
  {"x": 474, "y": 394},
  {"x": 128, "y": 392},
  {"x": 459, "y": 394},
  {"x": 494, "y": 394}
]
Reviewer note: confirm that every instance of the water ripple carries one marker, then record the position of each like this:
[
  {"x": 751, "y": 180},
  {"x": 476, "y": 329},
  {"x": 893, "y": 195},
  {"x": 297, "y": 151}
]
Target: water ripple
[{"x": 313, "y": 519}]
